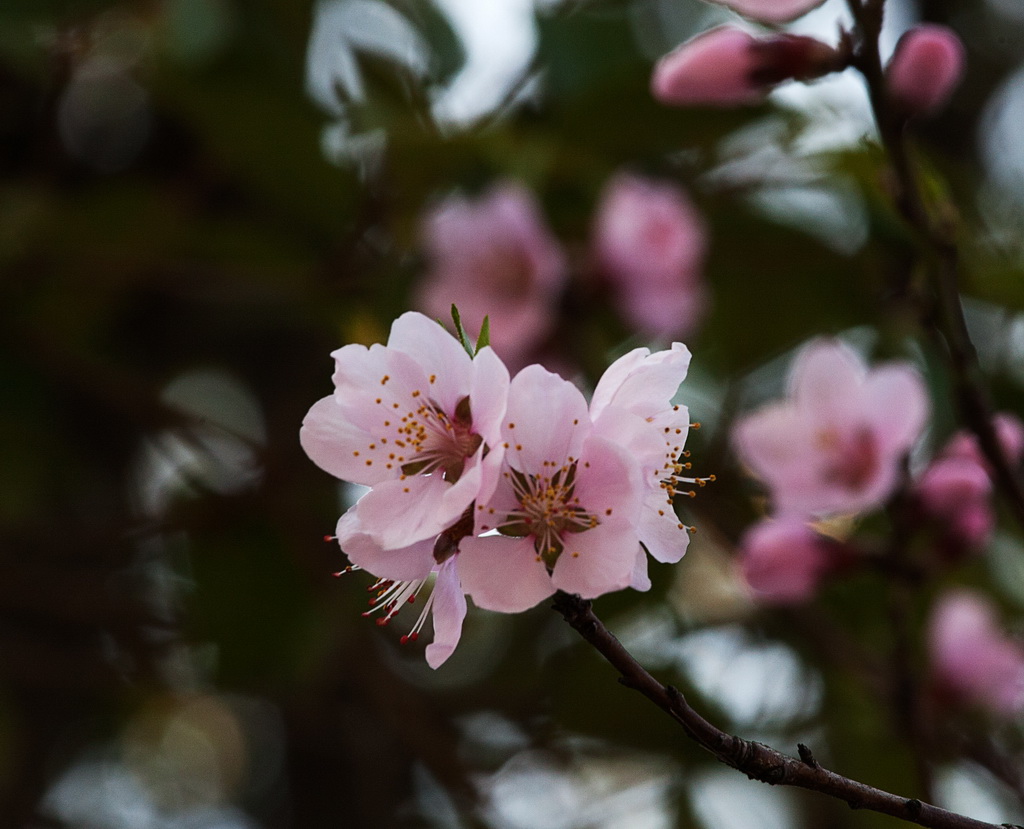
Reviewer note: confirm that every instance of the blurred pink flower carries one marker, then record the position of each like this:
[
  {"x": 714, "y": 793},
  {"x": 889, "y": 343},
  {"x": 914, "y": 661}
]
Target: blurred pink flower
[
  {"x": 650, "y": 242},
  {"x": 416, "y": 420},
  {"x": 771, "y": 11},
  {"x": 632, "y": 405},
  {"x": 956, "y": 491},
  {"x": 568, "y": 502},
  {"x": 925, "y": 68},
  {"x": 973, "y": 661},
  {"x": 727, "y": 66},
  {"x": 783, "y": 560},
  {"x": 493, "y": 256},
  {"x": 835, "y": 445}
]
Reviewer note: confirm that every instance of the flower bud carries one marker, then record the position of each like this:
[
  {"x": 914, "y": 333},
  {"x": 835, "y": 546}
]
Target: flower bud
[
  {"x": 783, "y": 560},
  {"x": 729, "y": 67},
  {"x": 771, "y": 11},
  {"x": 955, "y": 490},
  {"x": 925, "y": 68}
]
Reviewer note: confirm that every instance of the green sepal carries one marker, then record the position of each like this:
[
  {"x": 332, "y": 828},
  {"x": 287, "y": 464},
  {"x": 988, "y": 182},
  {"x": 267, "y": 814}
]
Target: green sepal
[
  {"x": 484, "y": 339},
  {"x": 460, "y": 332}
]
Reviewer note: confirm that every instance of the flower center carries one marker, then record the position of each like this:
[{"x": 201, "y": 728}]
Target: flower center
[
  {"x": 548, "y": 507},
  {"x": 853, "y": 459},
  {"x": 439, "y": 441}
]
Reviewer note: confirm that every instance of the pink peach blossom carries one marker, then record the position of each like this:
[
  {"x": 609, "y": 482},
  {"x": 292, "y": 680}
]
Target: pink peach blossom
[
  {"x": 632, "y": 406},
  {"x": 564, "y": 514},
  {"x": 493, "y": 256},
  {"x": 783, "y": 560},
  {"x": 727, "y": 66},
  {"x": 973, "y": 661},
  {"x": 836, "y": 444},
  {"x": 419, "y": 422},
  {"x": 925, "y": 68},
  {"x": 650, "y": 242}
]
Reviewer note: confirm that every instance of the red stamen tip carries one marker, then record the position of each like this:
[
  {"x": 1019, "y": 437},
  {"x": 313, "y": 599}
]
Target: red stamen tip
[
  {"x": 404, "y": 639},
  {"x": 383, "y": 620},
  {"x": 329, "y": 538},
  {"x": 412, "y": 599},
  {"x": 414, "y": 636}
]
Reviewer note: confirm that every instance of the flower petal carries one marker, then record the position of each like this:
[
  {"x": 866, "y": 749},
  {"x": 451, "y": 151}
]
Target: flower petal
[
  {"x": 449, "y": 609},
  {"x": 546, "y": 420},
  {"x": 338, "y": 446},
  {"x": 597, "y": 561},
  {"x": 412, "y": 562},
  {"x": 503, "y": 574},
  {"x": 642, "y": 382}
]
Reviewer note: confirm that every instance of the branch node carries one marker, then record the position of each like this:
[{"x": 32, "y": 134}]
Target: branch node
[
  {"x": 806, "y": 755},
  {"x": 913, "y": 807}
]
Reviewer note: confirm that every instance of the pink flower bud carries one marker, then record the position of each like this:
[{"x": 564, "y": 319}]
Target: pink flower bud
[
  {"x": 783, "y": 560},
  {"x": 973, "y": 661},
  {"x": 925, "y": 68},
  {"x": 771, "y": 11},
  {"x": 1009, "y": 432},
  {"x": 956, "y": 490},
  {"x": 728, "y": 67}
]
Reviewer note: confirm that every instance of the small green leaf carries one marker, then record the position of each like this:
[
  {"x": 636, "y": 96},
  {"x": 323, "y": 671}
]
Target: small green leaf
[
  {"x": 484, "y": 339},
  {"x": 460, "y": 332}
]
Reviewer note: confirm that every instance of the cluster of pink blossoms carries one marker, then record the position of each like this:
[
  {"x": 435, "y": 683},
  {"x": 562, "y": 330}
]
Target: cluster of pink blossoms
[
  {"x": 496, "y": 255},
  {"x": 502, "y": 490},
  {"x": 729, "y": 66}
]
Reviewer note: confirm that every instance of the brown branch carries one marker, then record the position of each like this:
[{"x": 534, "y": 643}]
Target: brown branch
[
  {"x": 936, "y": 238},
  {"x": 756, "y": 760}
]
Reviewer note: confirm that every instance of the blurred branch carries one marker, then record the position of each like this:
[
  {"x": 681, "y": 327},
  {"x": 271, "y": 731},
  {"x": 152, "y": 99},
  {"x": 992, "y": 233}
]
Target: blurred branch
[
  {"x": 936, "y": 236},
  {"x": 756, "y": 760}
]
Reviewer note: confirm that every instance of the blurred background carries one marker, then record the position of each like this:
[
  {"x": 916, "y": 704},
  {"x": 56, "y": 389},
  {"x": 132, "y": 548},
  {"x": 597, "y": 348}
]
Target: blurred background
[{"x": 201, "y": 199}]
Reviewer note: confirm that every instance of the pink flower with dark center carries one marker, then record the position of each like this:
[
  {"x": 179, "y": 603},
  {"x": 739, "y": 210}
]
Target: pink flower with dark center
[
  {"x": 564, "y": 514},
  {"x": 727, "y": 66},
  {"x": 419, "y": 422},
  {"x": 783, "y": 560},
  {"x": 837, "y": 443},
  {"x": 973, "y": 661},
  {"x": 494, "y": 256},
  {"x": 632, "y": 406},
  {"x": 651, "y": 243},
  {"x": 925, "y": 68}
]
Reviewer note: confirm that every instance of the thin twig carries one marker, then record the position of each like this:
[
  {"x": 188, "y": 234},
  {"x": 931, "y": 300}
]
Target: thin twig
[
  {"x": 756, "y": 760},
  {"x": 937, "y": 241}
]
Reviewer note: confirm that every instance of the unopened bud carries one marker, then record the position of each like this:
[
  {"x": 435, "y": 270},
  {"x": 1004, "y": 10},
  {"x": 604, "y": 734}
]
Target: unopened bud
[
  {"x": 730, "y": 67},
  {"x": 771, "y": 11},
  {"x": 925, "y": 68}
]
